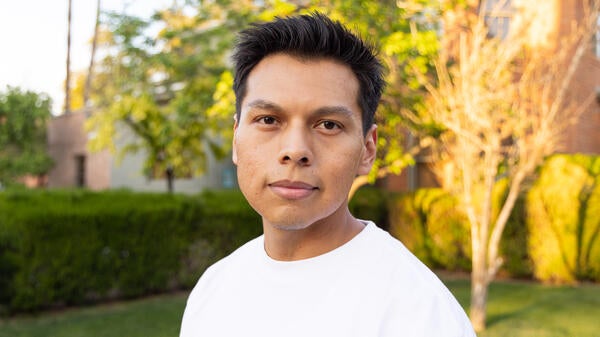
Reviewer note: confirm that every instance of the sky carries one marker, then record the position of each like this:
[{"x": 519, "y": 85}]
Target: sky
[{"x": 33, "y": 40}]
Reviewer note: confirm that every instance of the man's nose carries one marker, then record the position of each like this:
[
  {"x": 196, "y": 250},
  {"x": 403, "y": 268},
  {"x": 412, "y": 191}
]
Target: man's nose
[{"x": 296, "y": 147}]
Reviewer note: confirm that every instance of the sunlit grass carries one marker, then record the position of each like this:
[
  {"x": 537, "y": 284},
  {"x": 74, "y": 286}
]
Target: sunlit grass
[
  {"x": 524, "y": 309},
  {"x": 515, "y": 309}
]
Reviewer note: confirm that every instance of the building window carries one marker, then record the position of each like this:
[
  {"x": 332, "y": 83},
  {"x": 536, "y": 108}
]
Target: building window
[
  {"x": 80, "y": 170},
  {"x": 497, "y": 15}
]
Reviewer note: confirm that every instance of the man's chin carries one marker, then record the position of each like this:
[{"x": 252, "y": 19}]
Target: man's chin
[{"x": 287, "y": 225}]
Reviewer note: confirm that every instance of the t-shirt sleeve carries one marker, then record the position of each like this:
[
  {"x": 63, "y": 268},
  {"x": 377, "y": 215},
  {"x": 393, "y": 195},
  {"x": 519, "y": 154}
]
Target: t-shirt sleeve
[{"x": 437, "y": 315}]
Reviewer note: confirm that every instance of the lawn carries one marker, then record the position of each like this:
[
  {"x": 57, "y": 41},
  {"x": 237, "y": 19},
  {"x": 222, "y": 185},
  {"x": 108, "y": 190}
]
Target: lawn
[{"x": 516, "y": 309}]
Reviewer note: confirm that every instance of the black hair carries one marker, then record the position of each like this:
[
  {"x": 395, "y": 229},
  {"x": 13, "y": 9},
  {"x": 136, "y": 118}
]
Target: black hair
[{"x": 311, "y": 36}]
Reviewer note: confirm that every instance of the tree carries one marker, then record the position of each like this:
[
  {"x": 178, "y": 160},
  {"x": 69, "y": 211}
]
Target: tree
[
  {"x": 182, "y": 77},
  {"x": 502, "y": 107},
  {"x": 90, "y": 73},
  {"x": 23, "y": 119},
  {"x": 68, "y": 67},
  {"x": 160, "y": 87}
]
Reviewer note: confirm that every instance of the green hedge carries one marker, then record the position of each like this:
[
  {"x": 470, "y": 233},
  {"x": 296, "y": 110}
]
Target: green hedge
[
  {"x": 74, "y": 247},
  {"x": 564, "y": 219},
  {"x": 429, "y": 224},
  {"x": 553, "y": 233},
  {"x": 370, "y": 203}
]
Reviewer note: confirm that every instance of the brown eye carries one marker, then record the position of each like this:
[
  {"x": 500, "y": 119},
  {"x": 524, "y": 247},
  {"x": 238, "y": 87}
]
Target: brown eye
[
  {"x": 268, "y": 120},
  {"x": 329, "y": 125}
]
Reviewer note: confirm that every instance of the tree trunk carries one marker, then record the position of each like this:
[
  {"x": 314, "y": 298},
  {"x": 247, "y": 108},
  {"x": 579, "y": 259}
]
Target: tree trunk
[
  {"x": 88, "y": 81},
  {"x": 68, "y": 77},
  {"x": 170, "y": 178},
  {"x": 479, "y": 291}
]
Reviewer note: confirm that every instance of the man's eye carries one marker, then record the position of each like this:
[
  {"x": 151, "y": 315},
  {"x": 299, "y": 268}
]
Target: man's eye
[
  {"x": 329, "y": 125},
  {"x": 267, "y": 120}
]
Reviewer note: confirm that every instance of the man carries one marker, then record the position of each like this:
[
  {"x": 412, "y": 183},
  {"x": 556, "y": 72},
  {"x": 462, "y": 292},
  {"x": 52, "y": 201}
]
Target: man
[{"x": 306, "y": 93}]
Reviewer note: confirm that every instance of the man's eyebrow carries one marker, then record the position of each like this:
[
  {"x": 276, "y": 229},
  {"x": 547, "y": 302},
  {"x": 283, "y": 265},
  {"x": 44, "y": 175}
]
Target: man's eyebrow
[
  {"x": 334, "y": 110},
  {"x": 264, "y": 105},
  {"x": 322, "y": 111}
]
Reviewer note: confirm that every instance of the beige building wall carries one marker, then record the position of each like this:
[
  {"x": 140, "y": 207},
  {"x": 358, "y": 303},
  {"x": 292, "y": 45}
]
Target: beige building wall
[
  {"x": 74, "y": 165},
  {"x": 128, "y": 172}
]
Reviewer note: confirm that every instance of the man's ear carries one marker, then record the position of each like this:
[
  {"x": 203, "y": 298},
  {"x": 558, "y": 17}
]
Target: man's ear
[
  {"x": 233, "y": 145},
  {"x": 370, "y": 151}
]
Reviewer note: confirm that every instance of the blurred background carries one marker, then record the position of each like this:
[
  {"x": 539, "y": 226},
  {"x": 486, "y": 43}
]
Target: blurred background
[{"x": 117, "y": 189}]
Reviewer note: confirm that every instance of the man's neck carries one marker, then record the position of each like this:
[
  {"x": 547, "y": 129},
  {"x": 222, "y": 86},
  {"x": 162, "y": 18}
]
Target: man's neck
[{"x": 317, "y": 239}]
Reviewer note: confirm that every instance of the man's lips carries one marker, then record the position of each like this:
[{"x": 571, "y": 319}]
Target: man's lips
[{"x": 292, "y": 190}]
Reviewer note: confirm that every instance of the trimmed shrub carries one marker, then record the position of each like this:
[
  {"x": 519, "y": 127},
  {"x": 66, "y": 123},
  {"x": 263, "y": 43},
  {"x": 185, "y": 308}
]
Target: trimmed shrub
[
  {"x": 564, "y": 219},
  {"x": 513, "y": 245},
  {"x": 75, "y": 247},
  {"x": 370, "y": 203},
  {"x": 226, "y": 222},
  {"x": 429, "y": 224}
]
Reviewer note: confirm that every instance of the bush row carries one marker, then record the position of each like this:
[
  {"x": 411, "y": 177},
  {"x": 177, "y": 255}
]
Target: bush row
[
  {"x": 431, "y": 224},
  {"x": 75, "y": 247},
  {"x": 553, "y": 233}
]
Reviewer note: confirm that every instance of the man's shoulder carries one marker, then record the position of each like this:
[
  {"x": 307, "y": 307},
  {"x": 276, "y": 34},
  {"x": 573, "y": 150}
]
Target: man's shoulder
[{"x": 414, "y": 291}]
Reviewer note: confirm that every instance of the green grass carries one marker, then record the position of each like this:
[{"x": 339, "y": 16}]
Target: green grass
[
  {"x": 515, "y": 309},
  {"x": 524, "y": 309},
  {"x": 152, "y": 317}
]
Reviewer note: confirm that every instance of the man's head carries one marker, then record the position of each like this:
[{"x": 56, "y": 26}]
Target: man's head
[{"x": 311, "y": 37}]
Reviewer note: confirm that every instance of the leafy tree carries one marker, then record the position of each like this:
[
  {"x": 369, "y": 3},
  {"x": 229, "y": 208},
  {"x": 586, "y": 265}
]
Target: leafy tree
[
  {"x": 23, "y": 119},
  {"x": 502, "y": 107},
  {"x": 160, "y": 87},
  {"x": 173, "y": 89}
]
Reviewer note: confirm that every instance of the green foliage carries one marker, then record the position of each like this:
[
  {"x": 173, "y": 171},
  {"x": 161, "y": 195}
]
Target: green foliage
[
  {"x": 407, "y": 38},
  {"x": 429, "y": 224},
  {"x": 23, "y": 119},
  {"x": 513, "y": 246},
  {"x": 74, "y": 247},
  {"x": 173, "y": 89},
  {"x": 371, "y": 204},
  {"x": 564, "y": 219},
  {"x": 160, "y": 87}
]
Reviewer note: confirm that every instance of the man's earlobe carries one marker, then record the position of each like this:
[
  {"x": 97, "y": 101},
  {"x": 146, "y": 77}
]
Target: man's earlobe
[
  {"x": 233, "y": 145},
  {"x": 370, "y": 151}
]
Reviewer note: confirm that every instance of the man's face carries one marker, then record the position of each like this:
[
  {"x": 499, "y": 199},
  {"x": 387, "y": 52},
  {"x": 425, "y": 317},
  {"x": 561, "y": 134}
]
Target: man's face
[{"x": 299, "y": 143}]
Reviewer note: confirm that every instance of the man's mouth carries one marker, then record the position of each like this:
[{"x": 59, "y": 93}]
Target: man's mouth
[{"x": 292, "y": 190}]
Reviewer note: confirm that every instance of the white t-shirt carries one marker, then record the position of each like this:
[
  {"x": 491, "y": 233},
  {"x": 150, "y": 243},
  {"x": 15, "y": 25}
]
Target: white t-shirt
[{"x": 370, "y": 286}]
